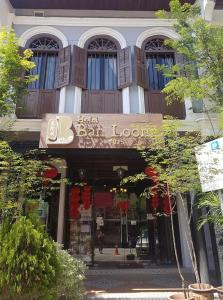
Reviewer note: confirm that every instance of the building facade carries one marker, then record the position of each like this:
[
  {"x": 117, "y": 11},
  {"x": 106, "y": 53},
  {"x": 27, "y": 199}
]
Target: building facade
[{"x": 96, "y": 66}]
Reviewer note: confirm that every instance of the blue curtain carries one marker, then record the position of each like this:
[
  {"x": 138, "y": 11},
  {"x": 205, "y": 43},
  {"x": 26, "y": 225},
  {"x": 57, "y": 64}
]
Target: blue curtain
[
  {"x": 45, "y": 69},
  {"x": 157, "y": 80},
  {"x": 102, "y": 72}
]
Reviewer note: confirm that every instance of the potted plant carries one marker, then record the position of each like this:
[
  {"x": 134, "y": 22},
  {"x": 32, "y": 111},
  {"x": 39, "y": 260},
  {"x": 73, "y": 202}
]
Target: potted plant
[
  {"x": 220, "y": 292},
  {"x": 201, "y": 291},
  {"x": 180, "y": 296}
]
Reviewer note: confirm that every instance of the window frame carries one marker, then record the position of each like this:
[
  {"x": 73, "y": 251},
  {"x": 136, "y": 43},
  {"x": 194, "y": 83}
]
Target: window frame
[
  {"x": 157, "y": 52},
  {"x": 44, "y": 52},
  {"x": 101, "y": 52}
]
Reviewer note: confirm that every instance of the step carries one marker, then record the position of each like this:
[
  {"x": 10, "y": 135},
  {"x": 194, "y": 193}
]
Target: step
[{"x": 129, "y": 296}]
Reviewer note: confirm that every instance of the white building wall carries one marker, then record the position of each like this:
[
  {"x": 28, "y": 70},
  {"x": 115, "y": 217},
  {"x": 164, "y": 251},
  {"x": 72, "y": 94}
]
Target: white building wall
[{"x": 6, "y": 14}]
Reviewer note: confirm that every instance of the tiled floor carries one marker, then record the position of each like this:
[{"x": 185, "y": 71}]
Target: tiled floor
[
  {"x": 134, "y": 280},
  {"x": 114, "y": 277}
]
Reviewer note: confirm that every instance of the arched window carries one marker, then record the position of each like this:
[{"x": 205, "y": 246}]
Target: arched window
[
  {"x": 102, "y": 64},
  {"x": 157, "y": 53},
  {"x": 45, "y": 52}
]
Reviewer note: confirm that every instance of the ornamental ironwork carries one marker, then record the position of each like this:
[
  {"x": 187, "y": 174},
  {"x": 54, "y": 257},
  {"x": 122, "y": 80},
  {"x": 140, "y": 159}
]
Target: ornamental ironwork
[
  {"x": 102, "y": 44},
  {"x": 44, "y": 43},
  {"x": 157, "y": 44}
]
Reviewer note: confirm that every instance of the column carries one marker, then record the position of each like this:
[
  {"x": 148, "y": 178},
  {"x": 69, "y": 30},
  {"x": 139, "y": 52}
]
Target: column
[
  {"x": 77, "y": 100},
  {"x": 126, "y": 100},
  {"x": 62, "y": 100},
  {"x": 61, "y": 167},
  {"x": 141, "y": 100}
]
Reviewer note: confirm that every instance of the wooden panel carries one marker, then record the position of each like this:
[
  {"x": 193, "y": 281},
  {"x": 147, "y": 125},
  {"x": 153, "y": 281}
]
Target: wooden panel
[
  {"x": 62, "y": 75},
  {"x": 136, "y": 5},
  {"x": 177, "y": 110},
  {"x": 219, "y": 4},
  {"x": 155, "y": 103},
  {"x": 91, "y": 102},
  {"x": 101, "y": 102},
  {"x": 79, "y": 67},
  {"x": 27, "y": 108},
  {"x": 140, "y": 68},
  {"x": 124, "y": 68},
  {"x": 48, "y": 102},
  {"x": 37, "y": 103}
]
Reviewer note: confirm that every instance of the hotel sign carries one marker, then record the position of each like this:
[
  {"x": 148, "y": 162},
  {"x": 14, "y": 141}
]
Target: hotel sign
[{"x": 97, "y": 130}]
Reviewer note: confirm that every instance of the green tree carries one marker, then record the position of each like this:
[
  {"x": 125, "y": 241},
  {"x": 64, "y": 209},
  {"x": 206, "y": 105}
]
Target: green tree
[
  {"x": 172, "y": 157},
  {"x": 198, "y": 73},
  {"x": 29, "y": 264},
  {"x": 212, "y": 203},
  {"x": 15, "y": 65},
  {"x": 18, "y": 181}
]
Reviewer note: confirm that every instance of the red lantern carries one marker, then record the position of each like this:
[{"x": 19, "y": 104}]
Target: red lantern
[
  {"x": 123, "y": 206},
  {"x": 86, "y": 196},
  {"x": 74, "y": 203},
  {"x": 51, "y": 172},
  {"x": 154, "y": 198},
  {"x": 151, "y": 173},
  {"x": 166, "y": 205}
]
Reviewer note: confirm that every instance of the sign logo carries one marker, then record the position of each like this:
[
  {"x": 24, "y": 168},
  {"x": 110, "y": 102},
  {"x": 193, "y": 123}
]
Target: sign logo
[
  {"x": 59, "y": 131},
  {"x": 215, "y": 145}
]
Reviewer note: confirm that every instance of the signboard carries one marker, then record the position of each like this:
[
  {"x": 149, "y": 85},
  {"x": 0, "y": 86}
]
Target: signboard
[
  {"x": 97, "y": 130},
  {"x": 210, "y": 165}
]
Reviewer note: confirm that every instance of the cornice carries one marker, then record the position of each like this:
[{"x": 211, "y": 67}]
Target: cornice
[{"x": 91, "y": 22}]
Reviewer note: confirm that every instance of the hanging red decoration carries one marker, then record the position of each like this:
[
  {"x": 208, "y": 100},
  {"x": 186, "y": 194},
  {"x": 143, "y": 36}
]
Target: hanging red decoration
[
  {"x": 50, "y": 172},
  {"x": 151, "y": 173},
  {"x": 166, "y": 204},
  {"x": 74, "y": 203},
  {"x": 154, "y": 198},
  {"x": 86, "y": 197},
  {"x": 123, "y": 206}
]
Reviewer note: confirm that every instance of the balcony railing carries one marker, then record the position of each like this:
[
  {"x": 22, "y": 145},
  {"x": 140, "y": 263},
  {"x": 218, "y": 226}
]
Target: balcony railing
[
  {"x": 102, "y": 102},
  {"x": 38, "y": 102}
]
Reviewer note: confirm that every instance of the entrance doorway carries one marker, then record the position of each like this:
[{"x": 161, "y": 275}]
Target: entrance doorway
[
  {"x": 128, "y": 223},
  {"x": 132, "y": 233}
]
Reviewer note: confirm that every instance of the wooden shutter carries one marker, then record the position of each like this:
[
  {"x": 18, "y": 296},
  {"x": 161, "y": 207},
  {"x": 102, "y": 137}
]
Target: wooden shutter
[
  {"x": 141, "y": 75},
  {"x": 124, "y": 68},
  {"x": 79, "y": 67},
  {"x": 62, "y": 75}
]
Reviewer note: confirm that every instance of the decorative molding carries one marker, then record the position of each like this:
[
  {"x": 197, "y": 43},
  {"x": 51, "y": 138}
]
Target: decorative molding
[
  {"x": 91, "y": 22},
  {"x": 168, "y": 32},
  {"x": 30, "y": 33},
  {"x": 102, "y": 31}
]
